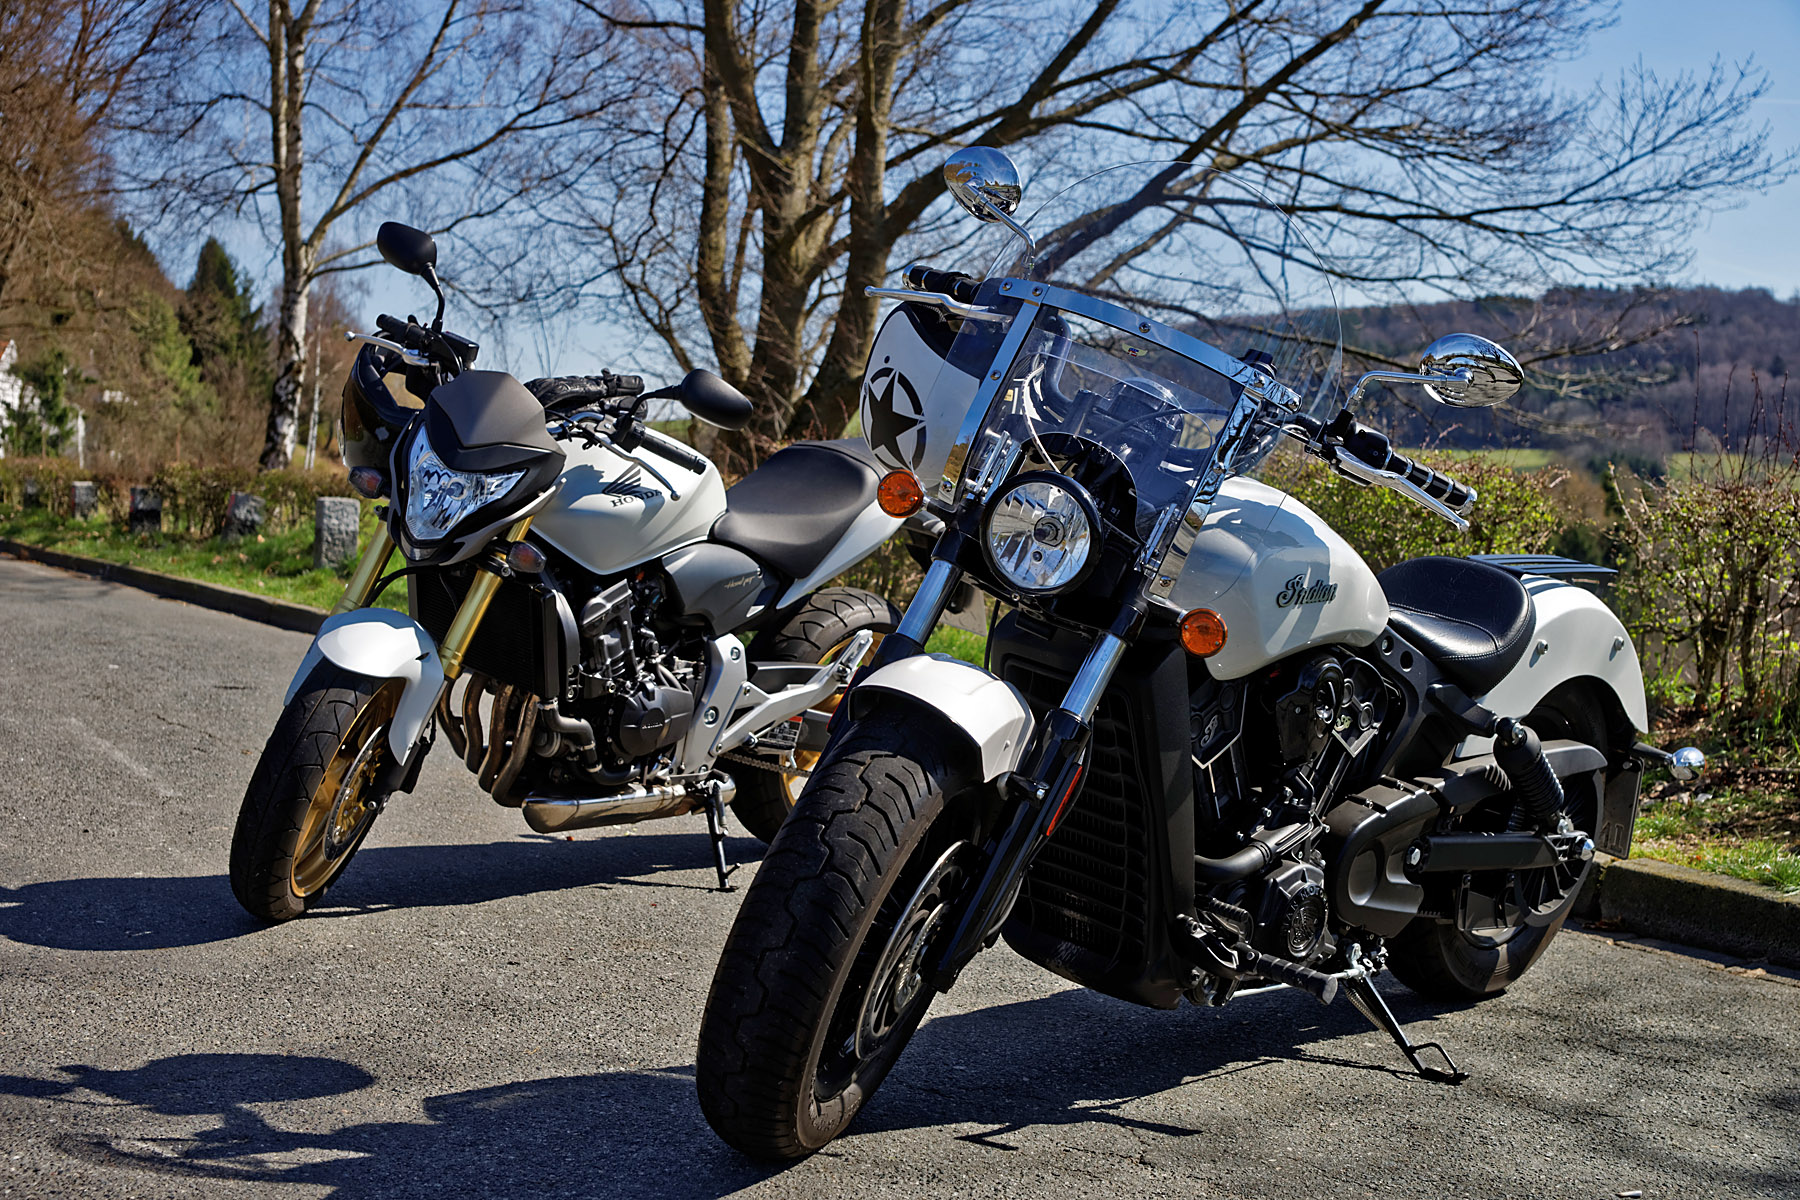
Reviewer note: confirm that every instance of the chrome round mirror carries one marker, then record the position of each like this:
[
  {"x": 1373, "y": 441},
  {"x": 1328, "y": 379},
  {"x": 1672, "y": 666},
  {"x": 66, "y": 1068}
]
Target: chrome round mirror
[
  {"x": 1492, "y": 375},
  {"x": 985, "y": 182}
]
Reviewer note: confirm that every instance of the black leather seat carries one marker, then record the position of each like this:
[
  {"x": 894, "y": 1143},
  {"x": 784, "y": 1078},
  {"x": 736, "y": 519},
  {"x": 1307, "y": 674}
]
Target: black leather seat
[
  {"x": 1474, "y": 621},
  {"x": 792, "y": 510}
]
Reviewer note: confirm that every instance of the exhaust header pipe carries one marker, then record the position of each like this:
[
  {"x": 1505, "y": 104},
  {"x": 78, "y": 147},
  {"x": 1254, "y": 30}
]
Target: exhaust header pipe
[{"x": 559, "y": 814}]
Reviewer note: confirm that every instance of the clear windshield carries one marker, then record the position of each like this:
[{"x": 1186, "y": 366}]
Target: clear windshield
[{"x": 1201, "y": 284}]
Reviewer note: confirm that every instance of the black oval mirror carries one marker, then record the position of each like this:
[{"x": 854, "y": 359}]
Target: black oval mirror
[
  {"x": 409, "y": 249},
  {"x": 715, "y": 401}
]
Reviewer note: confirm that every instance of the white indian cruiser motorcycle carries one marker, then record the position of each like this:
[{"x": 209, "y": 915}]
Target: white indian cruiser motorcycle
[
  {"x": 596, "y": 623},
  {"x": 1213, "y": 750}
]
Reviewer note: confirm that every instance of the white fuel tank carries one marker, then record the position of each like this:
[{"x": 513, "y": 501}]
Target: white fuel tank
[
  {"x": 610, "y": 513},
  {"x": 1280, "y": 577}
]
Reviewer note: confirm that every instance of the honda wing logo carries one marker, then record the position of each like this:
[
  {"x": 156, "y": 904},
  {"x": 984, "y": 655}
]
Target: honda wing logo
[{"x": 628, "y": 486}]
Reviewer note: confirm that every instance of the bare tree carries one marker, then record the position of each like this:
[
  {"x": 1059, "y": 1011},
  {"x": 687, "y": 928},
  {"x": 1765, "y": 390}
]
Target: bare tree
[
  {"x": 783, "y": 156},
  {"x": 67, "y": 69},
  {"x": 321, "y": 117}
]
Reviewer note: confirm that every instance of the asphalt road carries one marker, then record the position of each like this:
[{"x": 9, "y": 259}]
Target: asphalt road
[{"x": 482, "y": 1011}]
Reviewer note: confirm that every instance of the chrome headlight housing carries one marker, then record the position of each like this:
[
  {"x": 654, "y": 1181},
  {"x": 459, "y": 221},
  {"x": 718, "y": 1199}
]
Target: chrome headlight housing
[
  {"x": 1041, "y": 533},
  {"x": 437, "y": 498}
]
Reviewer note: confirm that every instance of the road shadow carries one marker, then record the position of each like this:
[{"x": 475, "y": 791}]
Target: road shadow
[
  {"x": 989, "y": 1075},
  {"x": 159, "y": 913},
  {"x": 633, "y": 1134}
]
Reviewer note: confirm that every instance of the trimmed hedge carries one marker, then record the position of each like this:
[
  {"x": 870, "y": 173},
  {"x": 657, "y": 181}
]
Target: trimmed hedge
[{"x": 194, "y": 498}]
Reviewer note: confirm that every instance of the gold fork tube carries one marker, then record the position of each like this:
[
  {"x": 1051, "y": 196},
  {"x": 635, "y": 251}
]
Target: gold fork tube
[
  {"x": 474, "y": 607},
  {"x": 368, "y": 569}
]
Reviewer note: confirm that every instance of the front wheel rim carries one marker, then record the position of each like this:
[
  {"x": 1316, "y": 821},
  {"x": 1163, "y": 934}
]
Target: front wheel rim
[{"x": 344, "y": 803}]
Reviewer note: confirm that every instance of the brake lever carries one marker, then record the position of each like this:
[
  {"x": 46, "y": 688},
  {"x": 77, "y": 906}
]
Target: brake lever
[
  {"x": 410, "y": 357},
  {"x": 1361, "y": 472}
]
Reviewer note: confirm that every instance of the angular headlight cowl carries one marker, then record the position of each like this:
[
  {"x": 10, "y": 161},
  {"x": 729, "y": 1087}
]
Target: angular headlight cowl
[
  {"x": 1040, "y": 533},
  {"x": 437, "y": 498}
]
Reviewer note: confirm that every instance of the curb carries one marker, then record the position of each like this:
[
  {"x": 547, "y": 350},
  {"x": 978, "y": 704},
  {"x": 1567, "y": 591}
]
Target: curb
[
  {"x": 280, "y": 613},
  {"x": 1699, "y": 908}
]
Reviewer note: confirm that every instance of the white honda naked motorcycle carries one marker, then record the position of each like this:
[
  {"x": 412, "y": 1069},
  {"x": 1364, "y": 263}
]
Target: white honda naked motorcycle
[
  {"x": 1213, "y": 750},
  {"x": 596, "y": 623}
]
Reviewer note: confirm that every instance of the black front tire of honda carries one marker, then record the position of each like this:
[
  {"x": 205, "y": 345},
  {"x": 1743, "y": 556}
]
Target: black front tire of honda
[
  {"x": 294, "y": 837},
  {"x": 829, "y": 618},
  {"x": 865, "y": 832}
]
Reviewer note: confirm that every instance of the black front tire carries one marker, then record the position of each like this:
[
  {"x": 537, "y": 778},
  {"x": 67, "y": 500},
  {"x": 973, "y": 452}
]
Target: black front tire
[
  {"x": 312, "y": 798},
  {"x": 777, "y": 1078},
  {"x": 829, "y": 618}
]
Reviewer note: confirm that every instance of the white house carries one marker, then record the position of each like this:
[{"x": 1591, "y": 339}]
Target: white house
[{"x": 12, "y": 388}]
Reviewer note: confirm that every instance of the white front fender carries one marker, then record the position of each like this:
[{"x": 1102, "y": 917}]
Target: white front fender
[
  {"x": 382, "y": 644},
  {"x": 992, "y": 714}
]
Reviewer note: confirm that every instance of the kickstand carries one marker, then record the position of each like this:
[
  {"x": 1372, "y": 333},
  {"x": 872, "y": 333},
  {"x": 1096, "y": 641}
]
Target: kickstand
[
  {"x": 715, "y": 828},
  {"x": 1368, "y": 1001}
]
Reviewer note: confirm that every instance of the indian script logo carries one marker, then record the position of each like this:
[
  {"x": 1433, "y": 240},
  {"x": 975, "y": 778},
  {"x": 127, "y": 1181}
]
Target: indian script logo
[{"x": 1297, "y": 592}]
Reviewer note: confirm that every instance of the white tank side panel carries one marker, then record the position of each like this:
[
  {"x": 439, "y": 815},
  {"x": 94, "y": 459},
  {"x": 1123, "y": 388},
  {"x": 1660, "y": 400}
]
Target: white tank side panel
[
  {"x": 1262, "y": 562},
  {"x": 1577, "y": 636},
  {"x": 610, "y": 513},
  {"x": 871, "y": 528},
  {"x": 912, "y": 403}
]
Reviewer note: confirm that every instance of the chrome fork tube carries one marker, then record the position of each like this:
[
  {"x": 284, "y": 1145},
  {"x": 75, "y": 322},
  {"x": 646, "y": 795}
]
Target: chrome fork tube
[
  {"x": 1091, "y": 680},
  {"x": 928, "y": 602}
]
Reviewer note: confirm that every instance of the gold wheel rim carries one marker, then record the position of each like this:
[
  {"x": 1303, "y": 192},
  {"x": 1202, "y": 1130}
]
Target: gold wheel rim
[
  {"x": 794, "y": 782},
  {"x": 343, "y": 805}
]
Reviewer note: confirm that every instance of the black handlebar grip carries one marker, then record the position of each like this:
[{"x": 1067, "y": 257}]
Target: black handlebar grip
[
  {"x": 626, "y": 385},
  {"x": 675, "y": 454},
  {"x": 955, "y": 284}
]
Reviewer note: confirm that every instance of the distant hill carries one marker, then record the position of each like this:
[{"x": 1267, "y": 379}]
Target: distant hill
[{"x": 1655, "y": 372}]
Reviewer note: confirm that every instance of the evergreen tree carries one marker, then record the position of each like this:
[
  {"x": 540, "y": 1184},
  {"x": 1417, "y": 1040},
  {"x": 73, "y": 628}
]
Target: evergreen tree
[{"x": 230, "y": 344}]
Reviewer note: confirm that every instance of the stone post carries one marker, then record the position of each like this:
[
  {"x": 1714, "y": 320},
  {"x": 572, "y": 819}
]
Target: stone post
[
  {"x": 146, "y": 511},
  {"x": 243, "y": 517},
  {"x": 334, "y": 530},
  {"x": 33, "y": 493},
  {"x": 84, "y": 498}
]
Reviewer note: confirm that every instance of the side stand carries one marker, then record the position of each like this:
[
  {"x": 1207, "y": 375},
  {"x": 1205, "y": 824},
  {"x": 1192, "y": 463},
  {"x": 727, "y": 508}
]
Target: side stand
[
  {"x": 1361, "y": 991},
  {"x": 715, "y": 828}
]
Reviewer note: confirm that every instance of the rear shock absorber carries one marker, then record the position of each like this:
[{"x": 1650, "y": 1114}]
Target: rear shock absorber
[{"x": 1538, "y": 794}]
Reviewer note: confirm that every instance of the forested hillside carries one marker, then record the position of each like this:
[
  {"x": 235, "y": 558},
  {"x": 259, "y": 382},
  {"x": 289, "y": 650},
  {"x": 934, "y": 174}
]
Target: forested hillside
[{"x": 1642, "y": 372}]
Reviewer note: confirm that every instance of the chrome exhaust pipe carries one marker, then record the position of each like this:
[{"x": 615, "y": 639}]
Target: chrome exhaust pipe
[{"x": 559, "y": 814}]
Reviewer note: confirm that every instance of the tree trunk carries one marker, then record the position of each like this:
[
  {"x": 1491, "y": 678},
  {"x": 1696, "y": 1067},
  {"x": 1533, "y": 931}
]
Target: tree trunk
[{"x": 287, "y": 76}]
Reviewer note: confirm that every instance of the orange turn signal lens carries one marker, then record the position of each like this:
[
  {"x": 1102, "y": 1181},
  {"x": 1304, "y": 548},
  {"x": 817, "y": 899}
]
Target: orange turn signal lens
[
  {"x": 1202, "y": 632},
  {"x": 899, "y": 494}
]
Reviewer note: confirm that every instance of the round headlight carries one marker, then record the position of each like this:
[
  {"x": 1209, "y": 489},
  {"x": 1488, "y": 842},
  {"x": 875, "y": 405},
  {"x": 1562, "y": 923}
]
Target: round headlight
[{"x": 1040, "y": 533}]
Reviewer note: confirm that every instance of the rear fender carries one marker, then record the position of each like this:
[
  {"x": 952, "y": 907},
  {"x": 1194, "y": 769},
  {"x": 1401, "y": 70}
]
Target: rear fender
[
  {"x": 381, "y": 644},
  {"x": 979, "y": 709},
  {"x": 1577, "y": 637}
]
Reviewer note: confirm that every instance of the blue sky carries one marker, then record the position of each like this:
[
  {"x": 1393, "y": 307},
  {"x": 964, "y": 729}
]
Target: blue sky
[{"x": 1757, "y": 245}]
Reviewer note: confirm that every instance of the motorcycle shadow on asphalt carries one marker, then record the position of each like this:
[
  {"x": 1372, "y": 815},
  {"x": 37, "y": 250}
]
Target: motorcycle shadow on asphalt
[
  {"x": 166, "y": 912},
  {"x": 638, "y": 1134}
]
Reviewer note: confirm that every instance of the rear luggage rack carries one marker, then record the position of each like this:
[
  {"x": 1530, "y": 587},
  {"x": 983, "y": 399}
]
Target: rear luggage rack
[{"x": 1553, "y": 565}]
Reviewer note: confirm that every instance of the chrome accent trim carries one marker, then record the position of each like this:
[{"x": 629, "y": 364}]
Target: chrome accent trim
[
  {"x": 999, "y": 369},
  {"x": 1090, "y": 681},
  {"x": 559, "y": 814},
  {"x": 928, "y": 602}
]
